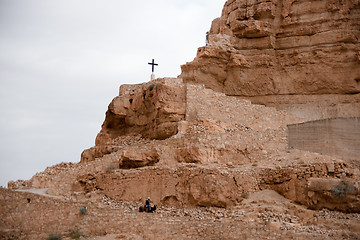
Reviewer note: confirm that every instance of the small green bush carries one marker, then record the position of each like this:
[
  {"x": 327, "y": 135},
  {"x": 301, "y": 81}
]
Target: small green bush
[
  {"x": 12, "y": 237},
  {"x": 76, "y": 234},
  {"x": 245, "y": 195},
  {"x": 83, "y": 210},
  {"x": 54, "y": 237},
  {"x": 342, "y": 189}
]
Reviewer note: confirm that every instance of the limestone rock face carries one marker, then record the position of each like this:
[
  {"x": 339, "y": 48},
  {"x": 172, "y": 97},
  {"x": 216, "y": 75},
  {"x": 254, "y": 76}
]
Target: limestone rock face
[
  {"x": 207, "y": 140},
  {"x": 314, "y": 107},
  {"x": 186, "y": 123},
  {"x": 332, "y": 193},
  {"x": 221, "y": 149},
  {"x": 322, "y": 185},
  {"x": 142, "y": 111},
  {"x": 136, "y": 159},
  {"x": 186, "y": 142},
  {"x": 151, "y": 110},
  {"x": 282, "y": 47}
]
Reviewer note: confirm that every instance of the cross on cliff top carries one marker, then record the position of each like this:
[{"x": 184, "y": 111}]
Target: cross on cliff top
[{"x": 153, "y": 64}]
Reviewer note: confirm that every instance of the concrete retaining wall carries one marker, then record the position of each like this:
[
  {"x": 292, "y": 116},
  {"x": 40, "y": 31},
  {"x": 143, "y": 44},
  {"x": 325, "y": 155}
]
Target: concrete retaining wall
[{"x": 338, "y": 137}]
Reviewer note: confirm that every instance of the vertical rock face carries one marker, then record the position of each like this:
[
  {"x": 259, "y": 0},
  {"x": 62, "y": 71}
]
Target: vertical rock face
[
  {"x": 178, "y": 122},
  {"x": 151, "y": 110},
  {"x": 187, "y": 145},
  {"x": 281, "y": 47}
]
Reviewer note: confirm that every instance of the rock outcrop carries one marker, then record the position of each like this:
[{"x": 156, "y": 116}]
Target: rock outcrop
[
  {"x": 188, "y": 145},
  {"x": 264, "y": 49},
  {"x": 151, "y": 109},
  {"x": 280, "y": 48},
  {"x": 188, "y": 123},
  {"x": 219, "y": 149},
  {"x": 263, "y": 215},
  {"x": 206, "y": 139}
]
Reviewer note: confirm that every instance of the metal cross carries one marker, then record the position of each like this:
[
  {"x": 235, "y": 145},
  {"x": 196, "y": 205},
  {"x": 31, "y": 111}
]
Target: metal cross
[{"x": 153, "y": 64}]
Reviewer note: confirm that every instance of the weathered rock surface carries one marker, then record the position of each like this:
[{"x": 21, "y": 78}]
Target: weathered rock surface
[
  {"x": 319, "y": 185},
  {"x": 313, "y": 107},
  {"x": 263, "y": 215},
  {"x": 151, "y": 109},
  {"x": 233, "y": 131},
  {"x": 280, "y": 48},
  {"x": 222, "y": 148},
  {"x": 279, "y": 52},
  {"x": 188, "y": 144}
]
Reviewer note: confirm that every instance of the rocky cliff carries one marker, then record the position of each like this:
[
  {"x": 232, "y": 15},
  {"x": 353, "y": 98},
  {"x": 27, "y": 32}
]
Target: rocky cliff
[
  {"x": 281, "y": 47},
  {"x": 261, "y": 48},
  {"x": 203, "y": 149},
  {"x": 203, "y": 139}
]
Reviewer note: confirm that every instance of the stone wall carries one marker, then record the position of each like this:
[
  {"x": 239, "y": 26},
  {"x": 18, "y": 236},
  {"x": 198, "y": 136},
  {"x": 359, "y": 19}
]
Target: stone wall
[
  {"x": 329, "y": 185},
  {"x": 336, "y": 137},
  {"x": 181, "y": 186}
]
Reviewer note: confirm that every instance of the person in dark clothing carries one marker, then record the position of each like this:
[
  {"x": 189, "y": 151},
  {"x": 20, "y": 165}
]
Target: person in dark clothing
[{"x": 147, "y": 204}]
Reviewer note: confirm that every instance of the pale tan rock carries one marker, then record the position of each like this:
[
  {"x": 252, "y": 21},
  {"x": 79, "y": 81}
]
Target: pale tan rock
[
  {"x": 150, "y": 109},
  {"x": 136, "y": 159},
  {"x": 217, "y": 166},
  {"x": 186, "y": 145},
  {"x": 191, "y": 167},
  {"x": 275, "y": 226},
  {"x": 339, "y": 194},
  {"x": 282, "y": 48}
]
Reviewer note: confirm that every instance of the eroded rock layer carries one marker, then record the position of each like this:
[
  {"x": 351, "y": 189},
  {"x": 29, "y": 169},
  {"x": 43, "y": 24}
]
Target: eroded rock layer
[
  {"x": 263, "y": 215},
  {"x": 219, "y": 149},
  {"x": 281, "y": 47},
  {"x": 207, "y": 140},
  {"x": 198, "y": 124}
]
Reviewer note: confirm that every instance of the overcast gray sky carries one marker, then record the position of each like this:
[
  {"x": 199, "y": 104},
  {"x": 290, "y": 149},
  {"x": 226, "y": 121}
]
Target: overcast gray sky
[{"x": 62, "y": 62}]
